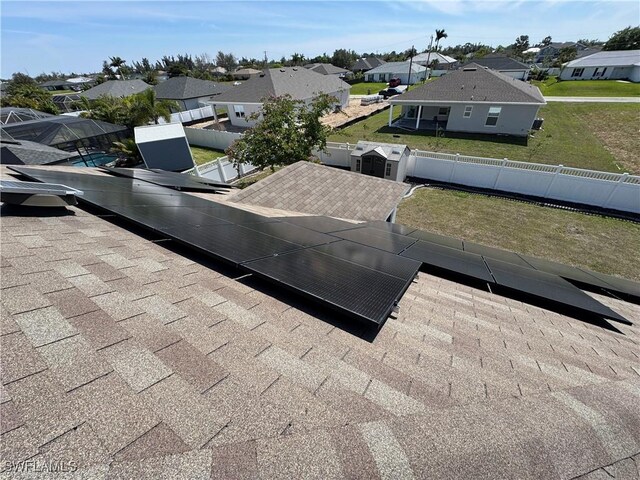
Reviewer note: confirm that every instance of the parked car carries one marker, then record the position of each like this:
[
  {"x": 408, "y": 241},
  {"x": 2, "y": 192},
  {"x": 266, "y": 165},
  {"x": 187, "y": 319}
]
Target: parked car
[
  {"x": 390, "y": 92},
  {"x": 394, "y": 82}
]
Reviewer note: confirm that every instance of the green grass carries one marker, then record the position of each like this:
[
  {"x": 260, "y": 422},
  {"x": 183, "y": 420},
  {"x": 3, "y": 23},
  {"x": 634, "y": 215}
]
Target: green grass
[
  {"x": 602, "y": 244},
  {"x": 367, "y": 88},
  {"x": 585, "y": 135},
  {"x": 587, "y": 88},
  {"x": 203, "y": 155}
]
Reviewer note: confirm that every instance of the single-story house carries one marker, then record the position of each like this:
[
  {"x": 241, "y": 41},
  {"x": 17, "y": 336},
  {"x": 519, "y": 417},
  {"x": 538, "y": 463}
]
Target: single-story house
[
  {"x": 551, "y": 51},
  {"x": 444, "y": 63},
  {"x": 366, "y": 63},
  {"x": 246, "y": 73},
  {"x": 473, "y": 99},
  {"x": 116, "y": 88},
  {"x": 328, "y": 69},
  {"x": 189, "y": 92},
  {"x": 503, "y": 64},
  {"x": 389, "y": 70},
  {"x": 53, "y": 85},
  {"x": 612, "y": 65},
  {"x": 243, "y": 100}
]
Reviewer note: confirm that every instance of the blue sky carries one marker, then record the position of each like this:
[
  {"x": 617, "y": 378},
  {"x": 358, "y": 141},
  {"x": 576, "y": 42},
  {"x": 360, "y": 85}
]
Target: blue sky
[{"x": 77, "y": 36}]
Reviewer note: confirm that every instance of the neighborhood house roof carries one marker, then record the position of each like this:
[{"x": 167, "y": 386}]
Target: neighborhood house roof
[
  {"x": 367, "y": 63},
  {"x": 319, "y": 190},
  {"x": 30, "y": 153},
  {"x": 116, "y": 88},
  {"x": 184, "y": 88},
  {"x": 615, "y": 58},
  {"x": 500, "y": 62},
  {"x": 17, "y": 114},
  {"x": 423, "y": 57},
  {"x": 124, "y": 357},
  {"x": 300, "y": 83},
  {"x": 473, "y": 84},
  {"x": 397, "y": 68},
  {"x": 325, "y": 68}
]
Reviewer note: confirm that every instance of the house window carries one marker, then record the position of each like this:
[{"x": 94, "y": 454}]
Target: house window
[
  {"x": 239, "y": 110},
  {"x": 370, "y": 78},
  {"x": 467, "y": 111},
  {"x": 411, "y": 112},
  {"x": 492, "y": 117},
  {"x": 357, "y": 165},
  {"x": 388, "y": 172},
  {"x": 577, "y": 72},
  {"x": 381, "y": 77},
  {"x": 443, "y": 111},
  {"x": 598, "y": 73}
]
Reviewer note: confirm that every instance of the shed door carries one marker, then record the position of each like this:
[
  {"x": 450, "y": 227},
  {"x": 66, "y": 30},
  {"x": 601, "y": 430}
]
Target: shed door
[{"x": 373, "y": 165}]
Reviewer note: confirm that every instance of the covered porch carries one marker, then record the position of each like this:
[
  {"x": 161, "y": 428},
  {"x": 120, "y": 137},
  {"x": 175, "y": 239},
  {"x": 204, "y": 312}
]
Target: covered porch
[{"x": 421, "y": 117}]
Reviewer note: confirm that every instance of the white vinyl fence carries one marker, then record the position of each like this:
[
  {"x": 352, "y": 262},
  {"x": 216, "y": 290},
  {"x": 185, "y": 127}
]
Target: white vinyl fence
[
  {"x": 617, "y": 191},
  {"x": 190, "y": 115},
  {"x": 221, "y": 170},
  {"x": 210, "y": 138}
]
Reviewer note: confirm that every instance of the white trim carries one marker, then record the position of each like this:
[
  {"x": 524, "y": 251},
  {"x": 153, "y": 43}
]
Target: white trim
[{"x": 467, "y": 102}]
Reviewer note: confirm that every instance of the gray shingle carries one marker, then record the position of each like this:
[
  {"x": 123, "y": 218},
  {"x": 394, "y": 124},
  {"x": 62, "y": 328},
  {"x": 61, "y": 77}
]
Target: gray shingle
[
  {"x": 184, "y": 88},
  {"x": 116, "y": 88}
]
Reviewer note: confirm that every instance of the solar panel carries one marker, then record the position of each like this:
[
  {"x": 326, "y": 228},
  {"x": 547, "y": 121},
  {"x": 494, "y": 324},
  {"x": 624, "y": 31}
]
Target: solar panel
[
  {"x": 176, "y": 181},
  {"x": 321, "y": 224},
  {"x": 565, "y": 271},
  {"x": 621, "y": 285},
  {"x": 451, "y": 259},
  {"x": 437, "y": 239},
  {"x": 363, "y": 293},
  {"x": 391, "y": 227},
  {"x": 165, "y": 217},
  {"x": 36, "y": 188},
  {"x": 373, "y": 237},
  {"x": 394, "y": 265},
  {"x": 496, "y": 253},
  {"x": 548, "y": 287},
  {"x": 292, "y": 233}
]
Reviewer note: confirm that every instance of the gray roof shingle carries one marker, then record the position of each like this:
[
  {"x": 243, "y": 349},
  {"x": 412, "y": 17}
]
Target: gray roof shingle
[
  {"x": 473, "y": 84},
  {"x": 116, "y": 88},
  {"x": 499, "y": 62},
  {"x": 325, "y": 68},
  {"x": 31, "y": 153},
  {"x": 366, "y": 63},
  {"x": 614, "y": 58},
  {"x": 183, "y": 88},
  {"x": 298, "y": 82},
  {"x": 397, "y": 67}
]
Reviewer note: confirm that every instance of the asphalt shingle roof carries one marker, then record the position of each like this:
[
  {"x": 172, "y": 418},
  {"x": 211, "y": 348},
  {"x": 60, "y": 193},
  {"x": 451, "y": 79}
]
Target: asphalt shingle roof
[
  {"x": 116, "y": 88},
  {"x": 397, "y": 67},
  {"x": 367, "y": 63},
  {"x": 122, "y": 355},
  {"x": 298, "y": 82},
  {"x": 325, "y": 68},
  {"x": 319, "y": 190},
  {"x": 30, "y": 153},
  {"x": 499, "y": 62},
  {"x": 422, "y": 57},
  {"x": 616, "y": 58},
  {"x": 473, "y": 85},
  {"x": 183, "y": 88}
]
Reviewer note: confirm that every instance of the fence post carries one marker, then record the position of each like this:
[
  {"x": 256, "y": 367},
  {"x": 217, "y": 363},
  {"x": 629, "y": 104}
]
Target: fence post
[
  {"x": 223, "y": 177},
  {"x": 504, "y": 163},
  {"x": 615, "y": 188},
  {"x": 453, "y": 170},
  {"x": 553, "y": 180}
]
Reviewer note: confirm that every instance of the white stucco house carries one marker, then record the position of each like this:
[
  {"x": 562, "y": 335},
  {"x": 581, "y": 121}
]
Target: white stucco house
[
  {"x": 389, "y": 70},
  {"x": 189, "y": 92},
  {"x": 474, "y": 100},
  {"x": 443, "y": 63},
  {"x": 302, "y": 84},
  {"x": 503, "y": 64},
  {"x": 611, "y": 65}
]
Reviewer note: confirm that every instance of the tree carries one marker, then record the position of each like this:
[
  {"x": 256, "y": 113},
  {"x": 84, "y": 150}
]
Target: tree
[
  {"x": 522, "y": 43},
  {"x": 226, "y": 60},
  {"x": 145, "y": 107},
  {"x": 288, "y": 132},
  {"x": 117, "y": 63},
  {"x": 23, "y": 92},
  {"x": 440, "y": 34},
  {"x": 127, "y": 151},
  {"x": 565, "y": 55},
  {"x": 626, "y": 39},
  {"x": 297, "y": 59},
  {"x": 343, "y": 58},
  {"x": 545, "y": 42}
]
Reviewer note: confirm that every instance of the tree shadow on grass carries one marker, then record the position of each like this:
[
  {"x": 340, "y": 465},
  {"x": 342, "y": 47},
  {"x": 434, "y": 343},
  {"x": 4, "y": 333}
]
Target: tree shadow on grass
[{"x": 443, "y": 136}]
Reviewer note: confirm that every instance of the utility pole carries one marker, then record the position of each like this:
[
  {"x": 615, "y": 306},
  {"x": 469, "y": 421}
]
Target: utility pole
[
  {"x": 266, "y": 62},
  {"x": 410, "y": 65},
  {"x": 428, "y": 58}
]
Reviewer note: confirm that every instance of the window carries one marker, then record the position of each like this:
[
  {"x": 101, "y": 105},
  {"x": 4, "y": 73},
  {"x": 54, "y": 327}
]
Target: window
[
  {"x": 239, "y": 109},
  {"x": 598, "y": 73},
  {"x": 443, "y": 111},
  {"x": 492, "y": 117},
  {"x": 388, "y": 172},
  {"x": 357, "y": 165},
  {"x": 577, "y": 72},
  {"x": 411, "y": 112},
  {"x": 381, "y": 77},
  {"x": 467, "y": 111},
  {"x": 370, "y": 78}
]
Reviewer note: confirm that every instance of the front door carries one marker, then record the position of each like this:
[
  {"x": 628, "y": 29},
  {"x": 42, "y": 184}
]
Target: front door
[{"x": 373, "y": 165}]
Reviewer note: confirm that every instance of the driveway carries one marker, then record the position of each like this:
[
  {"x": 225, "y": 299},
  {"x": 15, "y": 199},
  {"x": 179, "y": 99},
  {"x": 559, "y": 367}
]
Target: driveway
[{"x": 594, "y": 99}]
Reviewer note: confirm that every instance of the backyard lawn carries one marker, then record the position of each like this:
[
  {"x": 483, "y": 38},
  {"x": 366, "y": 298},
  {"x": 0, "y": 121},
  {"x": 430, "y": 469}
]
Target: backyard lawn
[
  {"x": 203, "y": 155},
  {"x": 602, "y": 244},
  {"x": 585, "y": 135},
  {"x": 367, "y": 88},
  {"x": 587, "y": 88}
]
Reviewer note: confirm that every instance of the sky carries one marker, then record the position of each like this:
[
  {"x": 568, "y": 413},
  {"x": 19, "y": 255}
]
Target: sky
[{"x": 68, "y": 36}]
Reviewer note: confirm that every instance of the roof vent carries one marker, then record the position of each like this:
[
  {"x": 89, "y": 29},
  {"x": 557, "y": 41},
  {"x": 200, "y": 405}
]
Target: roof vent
[
  {"x": 295, "y": 69},
  {"x": 359, "y": 148},
  {"x": 282, "y": 70},
  {"x": 395, "y": 152},
  {"x": 262, "y": 74},
  {"x": 469, "y": 69}
]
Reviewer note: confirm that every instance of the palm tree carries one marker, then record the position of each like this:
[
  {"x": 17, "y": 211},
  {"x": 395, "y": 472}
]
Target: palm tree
[
  {"x": 145, "y": 107},
  {"x": 127, "y": 151},
  {"x": 117, "y": 63},
  {"x": 440, "y": 34}
]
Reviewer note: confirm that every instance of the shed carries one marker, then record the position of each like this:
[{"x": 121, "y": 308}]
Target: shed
[{"x": 382, "y": 160}]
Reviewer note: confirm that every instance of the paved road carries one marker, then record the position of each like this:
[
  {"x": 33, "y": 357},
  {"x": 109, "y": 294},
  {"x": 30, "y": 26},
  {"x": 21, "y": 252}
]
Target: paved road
[{"x": 594, "y": 99}]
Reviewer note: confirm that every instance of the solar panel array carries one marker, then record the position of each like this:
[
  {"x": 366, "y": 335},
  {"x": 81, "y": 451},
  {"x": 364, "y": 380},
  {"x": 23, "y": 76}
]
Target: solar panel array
[
  {"x": 361, "y": 270},
  {"x": 177, "y": 181}
]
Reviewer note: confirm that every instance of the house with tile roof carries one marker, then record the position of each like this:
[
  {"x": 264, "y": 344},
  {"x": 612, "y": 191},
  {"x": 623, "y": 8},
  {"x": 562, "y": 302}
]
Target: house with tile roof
[
  {"x": 365, "y": 64},
  {"x": 116, "y": 88},
  {"x": 474, "y": 100},
  {"x": 503, "y": 64},
  {"x": 610, "y": 65},
  {"x": 189, "y": 92},
  {"x": 300, "y": 83},
  {"x": 126, "y": 357},
  {"x": 408, "y": 73}
]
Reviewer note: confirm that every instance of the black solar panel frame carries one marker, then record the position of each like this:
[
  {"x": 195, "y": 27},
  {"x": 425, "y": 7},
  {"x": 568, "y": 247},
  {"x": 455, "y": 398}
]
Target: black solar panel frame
[
  {"x": 173, "y": 180},
  {"x": 495, "y": 253},
  {"x": 396, "y": 228},
  {"x": 380, "y": 239},
  {"x": 437, "y": 239},
  {"x": 321, "y": 224}
]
